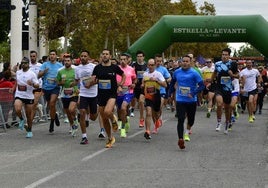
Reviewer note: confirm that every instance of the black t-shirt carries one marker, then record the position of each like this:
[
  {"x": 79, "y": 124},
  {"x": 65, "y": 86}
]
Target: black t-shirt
[
  {"x": 106, "y": 75},
  {"x": 139, "y": 70}
]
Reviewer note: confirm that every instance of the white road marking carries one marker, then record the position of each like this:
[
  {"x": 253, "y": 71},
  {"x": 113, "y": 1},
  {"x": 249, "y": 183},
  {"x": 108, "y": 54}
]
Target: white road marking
[{"x": 45, "y": 179}]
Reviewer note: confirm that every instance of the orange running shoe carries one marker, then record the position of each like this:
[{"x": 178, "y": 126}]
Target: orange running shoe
[
  {"x": 181, "y": 143},
  {"x": 141, "y": 123}
]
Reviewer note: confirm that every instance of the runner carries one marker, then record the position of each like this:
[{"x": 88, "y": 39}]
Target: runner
[
  {"x": 68, "y": 94},
  {"x": 105, "y": 74},
  {"x": 26, "y": 81},
  {"x": 188, "y": 83},
  {"x": 152, "y": 81},
  {"x": 87, "y": 94}
]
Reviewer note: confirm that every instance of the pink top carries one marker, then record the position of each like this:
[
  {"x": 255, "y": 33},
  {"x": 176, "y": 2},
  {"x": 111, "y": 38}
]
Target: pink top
[{"x": 130, "y": 75}]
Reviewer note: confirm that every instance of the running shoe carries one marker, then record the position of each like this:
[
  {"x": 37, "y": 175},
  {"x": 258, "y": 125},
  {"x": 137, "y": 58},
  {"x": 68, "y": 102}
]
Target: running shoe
[
  {"x": 158, "y": 123},
  {"x": 70, "y": 130},
  {"x": 123, "y": 133},
  {"x": 230, "y": 126},
  {"x": 233, "y": 118},
  {"x": 29, "y": 135},
  {"x": 208, "y": 114},
  {"x": 110, "y": 142},
  {"x": 66, "y": 120},
  {"x": 168, "y": 107},
  {"x": 187, "y": 137},
  {"x": 155, "y": 131},
  {"x": 21, "y": 124},
  {"x": 127, "y": 125},
  {"x": 74, "y": 130},
  {"x": 115, "y": 124},
  {"x": 226, "y": 129},
  {"x": 119, "y": 125},
  {"x": 181, "y": 143},
  {"x": 141, "y": 123},
  {"x": 253, "y": 117},
  {"x": 218, "y": 127},
  {"x": 57, "y": 122},
  {"x": 84, "y": 141},
  {"x": 132, "y": 114},
  {"x": 51, "y": 127},
  {"x": 101, "y": 134},
  {"x": 147, "y": 135},
  {"x": 250, "y": 119}
]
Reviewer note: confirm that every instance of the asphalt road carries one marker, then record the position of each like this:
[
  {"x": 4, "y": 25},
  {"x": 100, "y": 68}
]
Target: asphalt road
[{"x": 211, "y": 159}]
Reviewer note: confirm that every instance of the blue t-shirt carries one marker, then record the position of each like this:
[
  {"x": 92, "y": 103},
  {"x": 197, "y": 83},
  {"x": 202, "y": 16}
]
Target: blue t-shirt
[
  {"x": 187, "y": 83},
  {"x": 224, "y": 80},
  {"x": 49, "y": 79},
  {"x": 163, "y": 70}
]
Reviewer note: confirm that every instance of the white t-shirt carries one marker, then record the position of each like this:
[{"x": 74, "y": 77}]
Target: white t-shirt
[
  {"x": 250, "y": 78},
  {"x": 82, "y": 73},
  {"x": 24, "y": 90},
  {"x": 235, "y": 83},
  {"x": 36, "y": 68},
  {"x": 154, "y": 74}
]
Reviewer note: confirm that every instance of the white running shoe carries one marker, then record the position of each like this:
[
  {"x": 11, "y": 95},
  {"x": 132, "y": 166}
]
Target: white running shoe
[{"x": 218, "y": 127}]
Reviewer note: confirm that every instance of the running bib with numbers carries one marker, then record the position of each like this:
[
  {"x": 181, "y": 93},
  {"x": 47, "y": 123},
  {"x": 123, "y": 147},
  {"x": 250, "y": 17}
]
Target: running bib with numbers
[
  {"x": 85, "y": 80},
  {"x": 226, "y": 80},
  {"x": 140, "y": 74},
  {"x": 105, "y": 84},
  {"x": 22, "y": 88},
  {"x": 184, "y": 91},
  {"x": 51, "y": 80},
  {"x": 150, "y": 90},
  {"x": 125, "y": 89},
  {"x": 68, "y": 91}
]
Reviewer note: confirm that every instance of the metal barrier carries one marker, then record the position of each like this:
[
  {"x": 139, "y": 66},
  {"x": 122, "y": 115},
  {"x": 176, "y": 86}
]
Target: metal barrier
[{"x": 6, "y": 105}]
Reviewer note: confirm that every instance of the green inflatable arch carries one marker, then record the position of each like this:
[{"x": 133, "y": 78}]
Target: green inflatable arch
[{"x": 169, "y": 29}]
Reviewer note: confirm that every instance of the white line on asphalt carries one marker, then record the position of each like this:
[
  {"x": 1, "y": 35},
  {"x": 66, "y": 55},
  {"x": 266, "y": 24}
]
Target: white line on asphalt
[
  {"x": 45, "y": 179},
  {"x": 94, "y": 154}
]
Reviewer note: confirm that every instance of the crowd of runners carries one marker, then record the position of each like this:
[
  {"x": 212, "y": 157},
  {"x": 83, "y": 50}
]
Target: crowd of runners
[{"x": 108, "y": 90}]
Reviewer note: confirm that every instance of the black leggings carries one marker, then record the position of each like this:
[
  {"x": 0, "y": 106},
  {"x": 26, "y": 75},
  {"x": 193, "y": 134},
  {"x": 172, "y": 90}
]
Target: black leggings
[{"x": 183, "y": 110}]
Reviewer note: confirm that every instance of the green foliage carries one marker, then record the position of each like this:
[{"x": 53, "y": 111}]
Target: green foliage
[
  {"x": 4, "y": 25},
  {"x": 4, "y": 52},
  {"x": 248, "y": 51},
  {"x": 98, "y": 24}
]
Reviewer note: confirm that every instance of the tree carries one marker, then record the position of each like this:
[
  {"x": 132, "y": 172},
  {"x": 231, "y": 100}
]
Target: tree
[
  {"x": 98, "y": 24},
  {"x": 248, "y": 51}
]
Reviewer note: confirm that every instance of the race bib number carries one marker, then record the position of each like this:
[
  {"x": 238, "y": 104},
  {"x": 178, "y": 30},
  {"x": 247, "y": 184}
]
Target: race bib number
[
  {"x": 125, "y": 89},
  {"x": 22, "y": 88},
  {"x": 226, "y": 80},
  {"x": 150, "y": 90},
  {"x": 105, "y": 84},
  {"x": 184, "y": 91},
  {"x": 85, "y": 80},
  {"x": 140, "y": 74},
  {"x": 68, "y": 91},
  {"x": 51, "y": 80}
]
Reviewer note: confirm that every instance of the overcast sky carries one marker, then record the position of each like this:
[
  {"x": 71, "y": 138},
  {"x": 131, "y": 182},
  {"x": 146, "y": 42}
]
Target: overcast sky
[{"x": 238, "y": 7}]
